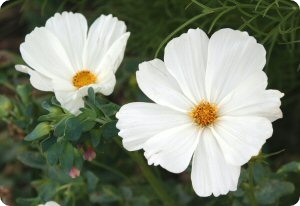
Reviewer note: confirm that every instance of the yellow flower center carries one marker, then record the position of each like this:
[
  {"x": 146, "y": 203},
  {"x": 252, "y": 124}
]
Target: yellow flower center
[
  {"x": 84, "y": 78},
  {"x": 205, "y": 114}
]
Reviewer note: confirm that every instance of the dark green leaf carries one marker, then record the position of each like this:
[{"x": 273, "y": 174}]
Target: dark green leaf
[
  {"x": 58, "y": 175},
  {"x": 54, "y": 152},
  {"x": 78, "y": 159},
  {"x": 96, "y": 135},
  {"x": 290, "y": 167},
  {"x": 73, "y": 129},
  {"x": 59, "y": 128},
  {"x": 110, "y": 130},
  {"x": 24, "y": 93},
  {"x": 51, "y": 108},
  {"x": 46, "y": 188},
  {"x": 66, "y": 159},
  {"x": 92, "y": 180},
  {"x": 270, "y": 191},
  {"x": 28, "y": 201},
  {"x": 109, "y": 109},
  {"x": 87, "y": 125},
  {"x": 260, "y": 172},
  {"x": 46, "y": 143},
  {"x": 32, "y": 159}
]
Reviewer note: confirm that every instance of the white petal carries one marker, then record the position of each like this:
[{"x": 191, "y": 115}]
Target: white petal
[
  {"x": 67, "y": 95},
  {"x": 114, "y": 56},
  {"x": 43, "y": 52},
  {"x": 251, "y": 99},
  {"x": 173, "y": 148},
  {"x": 157, "y": 83},
  {"x": 241, "y": 138},
  {"x": 185, "y": 59},
  {"x": 232, "y": 57},
  {"x": 37, "y": 80},
  {"x": 63, "y": 85},
  {"x": 140, "y": 121},
  {"x": 107, "y": 84},
  {"x": 104, "y": 32},
  {"x": 71, "y": 30},
  {"x": 210, "y": 172},
  {"x": 70, "y": 101}
]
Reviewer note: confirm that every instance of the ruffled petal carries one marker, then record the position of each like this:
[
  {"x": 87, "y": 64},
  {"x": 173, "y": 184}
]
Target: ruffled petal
[
  {"x": 114, "y": 56},
  {"x": 186, "y": 59},
  {"x": 241, "y": 138},
  {"x": 173, "y": 149},
  {"x": 106, "y": 43},
  {"x": 232, "y": 57},
  {"x": 43, "y": 52},
  {"x": 251, "y": 99},
  {"x": 210, "y": 172},
  {"x": 70, "y": 101},
  {"x": 140, "y": 121},
  {"x": 157, "y": 83},
  {"x": 37, "y": 80},
  {"x": 71, "y": 30}
]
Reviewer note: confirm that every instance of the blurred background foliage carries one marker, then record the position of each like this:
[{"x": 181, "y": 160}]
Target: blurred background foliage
[{"x": 36, "y": 170}]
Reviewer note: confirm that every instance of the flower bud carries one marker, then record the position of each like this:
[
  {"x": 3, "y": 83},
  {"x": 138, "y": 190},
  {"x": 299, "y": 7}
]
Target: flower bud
[
  {"x": 74, "y": 172},
  {"x": 89, "y": 154}
]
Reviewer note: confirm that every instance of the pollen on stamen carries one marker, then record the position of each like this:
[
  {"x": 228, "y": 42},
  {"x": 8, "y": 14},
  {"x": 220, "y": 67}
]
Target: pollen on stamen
[
  {"x": 205, "y": 114},
  {"x": 84, "y": 78}
]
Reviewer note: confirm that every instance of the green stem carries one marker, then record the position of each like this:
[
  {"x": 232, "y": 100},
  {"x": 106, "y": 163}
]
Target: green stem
[
  {"x": 180, "y": 28},
  {"x": 154, "y": 182},
  {"x": 151, "y": 178},
  {"x": 112, "y": 170},
  {"x": 251, "y": 190}
]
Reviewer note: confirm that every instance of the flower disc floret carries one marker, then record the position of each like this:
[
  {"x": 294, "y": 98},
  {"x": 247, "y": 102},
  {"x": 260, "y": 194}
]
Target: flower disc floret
[
  {"x": 205, "y": 114},
  {"x": 84, "y": 78}
]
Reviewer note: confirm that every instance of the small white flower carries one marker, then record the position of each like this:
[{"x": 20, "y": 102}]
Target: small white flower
[
  {"x": 50, "y": 203},
  {"x": 67, "y": 58},
  {"x": 211, "y": 103}
]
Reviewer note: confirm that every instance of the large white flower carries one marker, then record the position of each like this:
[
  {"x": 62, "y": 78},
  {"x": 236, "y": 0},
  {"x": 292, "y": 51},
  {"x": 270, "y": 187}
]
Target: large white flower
[
  {"x": 211, "y": 103},
  {"x": 67, "y": 58}
]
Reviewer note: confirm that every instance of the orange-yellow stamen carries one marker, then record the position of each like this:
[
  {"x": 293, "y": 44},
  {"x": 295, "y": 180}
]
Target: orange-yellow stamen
[
  {"x": 205, "y": 114},
  {"x": 84, "y": 78}
]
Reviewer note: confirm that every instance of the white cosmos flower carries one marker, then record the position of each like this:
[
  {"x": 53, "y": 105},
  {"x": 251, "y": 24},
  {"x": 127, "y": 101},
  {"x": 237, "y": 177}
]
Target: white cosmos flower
[
  {"x": 211, "y": 104},
  {"x": 50, "y": 203},
  {"x": 67, "y": 58}
]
